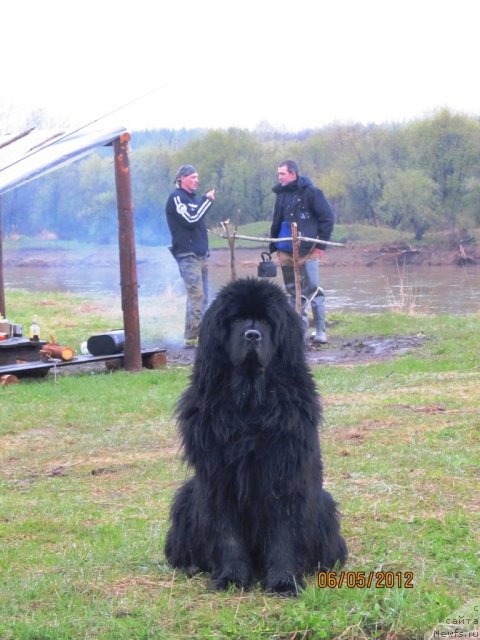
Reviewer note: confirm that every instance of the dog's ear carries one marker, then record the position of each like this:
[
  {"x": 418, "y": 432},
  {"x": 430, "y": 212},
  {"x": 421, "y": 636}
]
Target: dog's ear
[
  {"x": 290, "y": 337},
  {"x": 211, "y": 358},
  {"x": 214, "y": 327}
]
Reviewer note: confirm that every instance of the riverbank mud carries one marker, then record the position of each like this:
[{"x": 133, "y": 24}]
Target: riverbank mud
[
  {"x": 369, "y": 255},
  {"x": 339, "y": 351}
]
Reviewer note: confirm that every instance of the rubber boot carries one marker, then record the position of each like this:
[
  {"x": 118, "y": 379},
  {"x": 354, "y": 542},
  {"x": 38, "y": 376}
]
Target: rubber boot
[{"x": 318, "y": 312}]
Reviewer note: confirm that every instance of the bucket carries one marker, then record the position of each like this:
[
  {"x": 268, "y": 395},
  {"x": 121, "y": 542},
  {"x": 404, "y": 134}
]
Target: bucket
[
  {"x": 17, "y": 330},
  {"x": 106, "y": 344}
]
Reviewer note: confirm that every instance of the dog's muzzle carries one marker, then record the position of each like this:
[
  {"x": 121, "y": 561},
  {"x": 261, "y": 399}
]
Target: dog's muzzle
[{"x": 250, "y": 343}]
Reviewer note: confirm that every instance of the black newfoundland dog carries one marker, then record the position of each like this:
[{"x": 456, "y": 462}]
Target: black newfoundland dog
[{"x": 255, "y": 507}]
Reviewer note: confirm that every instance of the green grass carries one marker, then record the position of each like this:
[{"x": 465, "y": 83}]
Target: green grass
[
  {"x": 357, "y": 233},
  {"x": 259, "y": 229},
  {"x": 71, "y": 319},
  {"x": 367, "y": 234},
  {"x": 39, "y": 244},
  {"x": 89, "y": 464}
]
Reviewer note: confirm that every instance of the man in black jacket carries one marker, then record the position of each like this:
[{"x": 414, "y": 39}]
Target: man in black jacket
[
  {"x": 298, "y": 200},
  {"x": 185, "y": 217}
]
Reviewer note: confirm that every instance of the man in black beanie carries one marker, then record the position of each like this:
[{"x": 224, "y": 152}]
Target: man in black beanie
[{"x": 185, "y": 217}]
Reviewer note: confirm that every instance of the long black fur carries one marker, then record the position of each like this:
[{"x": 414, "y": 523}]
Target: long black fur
[{"x": 255, "y": 507}]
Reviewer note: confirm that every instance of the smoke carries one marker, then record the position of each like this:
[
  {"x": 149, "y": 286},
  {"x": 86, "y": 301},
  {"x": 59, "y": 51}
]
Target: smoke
[{"x": 161, "y": 298}]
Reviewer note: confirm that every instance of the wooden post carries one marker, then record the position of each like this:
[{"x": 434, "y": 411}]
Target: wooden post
[
  {"x": 17, "y": 137},
  {"x": 296, "y": 269},
  {"x": 128, "y": 262},
  {"x": 231, "y": 244}
]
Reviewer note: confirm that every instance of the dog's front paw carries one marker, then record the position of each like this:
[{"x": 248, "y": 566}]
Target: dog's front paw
[
  {"x": 286, "y": 585},
  {"x": 239, "y": 575}
]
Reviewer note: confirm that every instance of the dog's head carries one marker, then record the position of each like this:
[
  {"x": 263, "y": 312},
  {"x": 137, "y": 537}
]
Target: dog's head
[
  {"x": 251, "y": 348},
  {"x": 250, "y": 327}
]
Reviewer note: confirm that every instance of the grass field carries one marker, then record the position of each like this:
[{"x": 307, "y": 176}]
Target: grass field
[
  {"x": 359, "y": 234},
  {"x": 89, "y": 464}
]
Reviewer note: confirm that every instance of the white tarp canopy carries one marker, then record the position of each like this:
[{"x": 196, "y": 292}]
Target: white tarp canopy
[{"x": 40, "y": 152}]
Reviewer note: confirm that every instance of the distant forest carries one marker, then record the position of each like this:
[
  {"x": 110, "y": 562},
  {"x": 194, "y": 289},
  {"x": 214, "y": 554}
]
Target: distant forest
[{"x": 417, "y": 176}]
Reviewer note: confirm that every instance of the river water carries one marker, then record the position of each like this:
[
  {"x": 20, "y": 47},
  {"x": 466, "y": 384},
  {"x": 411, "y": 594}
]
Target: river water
[{"x": 420, "y": 289}]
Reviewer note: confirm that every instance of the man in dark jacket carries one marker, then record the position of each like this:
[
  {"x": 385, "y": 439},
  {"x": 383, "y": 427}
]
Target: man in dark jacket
[
  {"x": 298, "y": 200},
  {"x": 185, "y": 217}
]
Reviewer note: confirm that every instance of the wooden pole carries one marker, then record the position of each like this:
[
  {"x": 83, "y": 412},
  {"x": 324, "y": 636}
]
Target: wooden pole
[
  {"x": 17, "y": 137},
  {"x": 128, "y": 262},
  {"x": 231, "y": 244},
  {"x": 257, "y": 239},
  {"x": 296, "y": 269}
]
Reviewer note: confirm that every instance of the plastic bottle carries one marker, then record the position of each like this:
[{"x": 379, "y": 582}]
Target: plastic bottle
[
  {"x": 34, "y": 333},
  {"x": 84, "y": 349}
]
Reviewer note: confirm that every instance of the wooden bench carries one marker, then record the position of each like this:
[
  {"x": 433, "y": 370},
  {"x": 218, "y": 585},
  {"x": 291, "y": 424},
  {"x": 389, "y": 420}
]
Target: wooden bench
[{"x": 151, "y": 359}]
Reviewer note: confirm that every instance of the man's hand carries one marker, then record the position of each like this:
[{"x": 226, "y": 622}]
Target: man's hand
[
  {"x": 317, "y": 254},
  {"x": 211, "y": 194}
]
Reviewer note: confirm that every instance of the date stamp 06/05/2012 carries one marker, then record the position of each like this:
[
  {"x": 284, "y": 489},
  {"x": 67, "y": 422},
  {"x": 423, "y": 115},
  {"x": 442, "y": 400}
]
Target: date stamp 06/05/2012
[{"x": 365, "y": 579}]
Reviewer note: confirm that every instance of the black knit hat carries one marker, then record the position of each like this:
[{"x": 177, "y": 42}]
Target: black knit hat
[{"x": 185, "y": 170}]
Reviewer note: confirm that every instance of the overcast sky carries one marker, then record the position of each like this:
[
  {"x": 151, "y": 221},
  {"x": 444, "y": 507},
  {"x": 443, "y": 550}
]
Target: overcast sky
[{"x": 291, "y": 64}]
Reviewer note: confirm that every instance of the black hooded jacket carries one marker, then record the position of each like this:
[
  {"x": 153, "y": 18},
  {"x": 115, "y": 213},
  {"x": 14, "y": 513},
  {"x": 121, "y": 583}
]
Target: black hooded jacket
[
  {"x": 301, "y": 202},
  {"x": 185, "y": 217}
]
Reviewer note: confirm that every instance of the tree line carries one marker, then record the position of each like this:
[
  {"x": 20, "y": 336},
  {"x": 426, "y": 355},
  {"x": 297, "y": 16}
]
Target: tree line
[{"x": 416, "y": 176}]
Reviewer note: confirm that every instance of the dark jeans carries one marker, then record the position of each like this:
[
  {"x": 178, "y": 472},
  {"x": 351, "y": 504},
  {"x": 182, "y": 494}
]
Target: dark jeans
[{"x": 312, "y": 292}]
